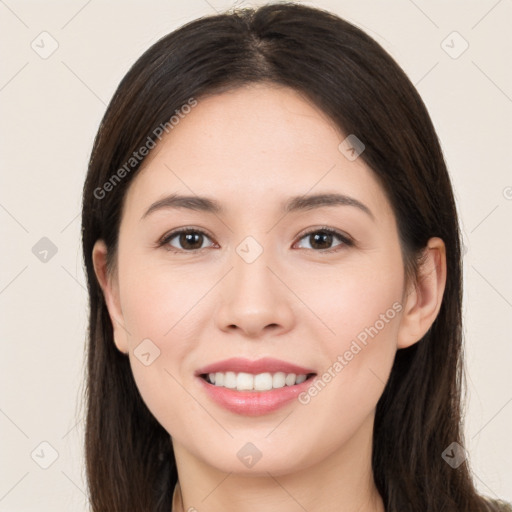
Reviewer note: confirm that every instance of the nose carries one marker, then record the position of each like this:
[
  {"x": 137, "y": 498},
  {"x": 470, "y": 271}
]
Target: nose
[{"x": 254, "y": 300}]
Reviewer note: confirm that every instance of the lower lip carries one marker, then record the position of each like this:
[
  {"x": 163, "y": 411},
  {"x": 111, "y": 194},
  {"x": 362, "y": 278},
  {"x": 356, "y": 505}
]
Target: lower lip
[{"x": 254, "y": 403}]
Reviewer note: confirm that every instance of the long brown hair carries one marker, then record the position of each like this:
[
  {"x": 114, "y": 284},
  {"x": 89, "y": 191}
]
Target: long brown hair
[{"x": 130, "y": 462}]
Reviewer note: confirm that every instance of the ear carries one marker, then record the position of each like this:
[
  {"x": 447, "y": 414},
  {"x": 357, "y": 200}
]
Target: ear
[
  {"x": 423, "y": 300},
  {"x": 110, "y": 288}
]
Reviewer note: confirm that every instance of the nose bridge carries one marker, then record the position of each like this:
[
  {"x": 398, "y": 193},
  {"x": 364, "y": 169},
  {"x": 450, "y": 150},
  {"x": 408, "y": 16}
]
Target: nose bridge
[
  {"x": 254, "y": 298},
  {"x": 251, "y": 275}
]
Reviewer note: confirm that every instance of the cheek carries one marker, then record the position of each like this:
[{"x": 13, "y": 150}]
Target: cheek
[
  {"x": 350, "y": 299},
  {"x": 161, "y": 313},
  {"x": 362, "y": 309},
  {"x": 157, "y": 300}
]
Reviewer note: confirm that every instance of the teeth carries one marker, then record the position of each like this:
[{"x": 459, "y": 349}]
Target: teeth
[
  {"x": 244, "y": 381},
  {"x": 230, "y": 380},
  {"x": 279, "y": 380},
  {"x": 261, "y": 382},
  {"x": 290, "y": 379},
  {"x": 217, "y": 377},
  {"x": 300, "y": 379}
]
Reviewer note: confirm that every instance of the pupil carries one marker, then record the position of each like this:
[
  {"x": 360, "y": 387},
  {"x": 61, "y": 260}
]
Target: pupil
[
  {"x": 322, "y": 237},
  {"x": 187, "y": 240}
]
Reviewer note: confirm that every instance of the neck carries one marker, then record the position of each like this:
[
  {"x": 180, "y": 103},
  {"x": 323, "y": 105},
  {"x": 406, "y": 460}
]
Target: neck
[{"x": 341, "y": 482}]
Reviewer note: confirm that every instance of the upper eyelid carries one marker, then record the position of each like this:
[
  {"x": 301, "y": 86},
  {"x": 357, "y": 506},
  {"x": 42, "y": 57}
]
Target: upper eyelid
[
  {"x": 333, "y": 231},
  {"x": 173, "y": 233}
]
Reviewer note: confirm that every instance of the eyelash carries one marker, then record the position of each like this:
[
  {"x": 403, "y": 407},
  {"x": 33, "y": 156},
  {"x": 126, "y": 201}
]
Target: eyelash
[{"x": 346, "y": 240}]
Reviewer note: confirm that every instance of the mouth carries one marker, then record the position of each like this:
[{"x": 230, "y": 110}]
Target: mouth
[{"x": 254, "y": 388}]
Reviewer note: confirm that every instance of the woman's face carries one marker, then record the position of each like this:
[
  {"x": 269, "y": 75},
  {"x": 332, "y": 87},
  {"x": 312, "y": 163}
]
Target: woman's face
[{"x": 258, "y": 278}]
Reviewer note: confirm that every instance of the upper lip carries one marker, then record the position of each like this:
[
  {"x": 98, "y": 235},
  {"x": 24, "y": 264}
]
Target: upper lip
[{"x": 264, "y": 365}]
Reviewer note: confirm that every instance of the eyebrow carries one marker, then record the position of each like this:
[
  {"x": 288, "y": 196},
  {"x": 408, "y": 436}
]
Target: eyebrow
[{"x": 293, "y": 204}]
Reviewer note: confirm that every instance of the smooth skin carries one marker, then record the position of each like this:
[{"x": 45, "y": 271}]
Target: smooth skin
[{"x": 252, "y": 149}]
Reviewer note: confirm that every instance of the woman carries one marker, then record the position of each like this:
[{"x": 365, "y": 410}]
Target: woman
[{"x": 273, "y": 260}]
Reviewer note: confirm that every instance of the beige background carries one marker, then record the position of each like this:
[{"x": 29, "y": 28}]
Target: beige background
[{"x": 50, "y": 110}]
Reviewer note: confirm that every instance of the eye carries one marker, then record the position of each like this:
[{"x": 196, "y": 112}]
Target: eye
[
  {"x": 321, "y": 239},
  {"x": 185, "y": 240},
  {"x": 192, "y": 240}
]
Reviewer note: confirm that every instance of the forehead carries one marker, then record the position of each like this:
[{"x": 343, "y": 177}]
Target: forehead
[{"x": 256, "y": 142}]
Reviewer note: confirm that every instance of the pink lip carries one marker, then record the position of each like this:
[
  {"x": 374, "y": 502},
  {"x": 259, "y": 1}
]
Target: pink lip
[
  {"x": 253, "y": 403},
  {"x": 267, "y": 364}
]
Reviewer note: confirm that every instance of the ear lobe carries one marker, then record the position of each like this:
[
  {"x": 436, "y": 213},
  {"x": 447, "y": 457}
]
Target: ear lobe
[
  {"x": 423, "y": 303},
  {"x": 110, "y": 288}
]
